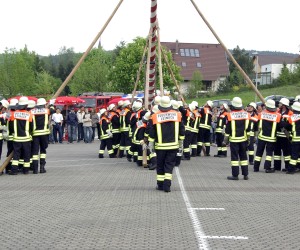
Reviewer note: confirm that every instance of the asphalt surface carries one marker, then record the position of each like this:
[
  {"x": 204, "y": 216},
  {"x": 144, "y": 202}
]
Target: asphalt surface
[{"x": 84, "y": 202}]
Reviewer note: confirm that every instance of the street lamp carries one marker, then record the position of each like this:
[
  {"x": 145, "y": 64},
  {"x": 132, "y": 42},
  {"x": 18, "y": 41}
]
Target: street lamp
[{"x": 256, "y": 70}]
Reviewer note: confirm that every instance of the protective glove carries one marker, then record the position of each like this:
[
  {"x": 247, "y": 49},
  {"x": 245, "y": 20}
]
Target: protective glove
[
  {"x": 110, "y": 135},
  {"x": 226, "y": 141},
  {"x": 151, "y": 146},
  {"x": 142, "y": 142}
]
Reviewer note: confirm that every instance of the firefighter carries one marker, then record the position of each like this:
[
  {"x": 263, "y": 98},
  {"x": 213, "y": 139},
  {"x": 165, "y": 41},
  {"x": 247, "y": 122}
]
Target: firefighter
[
  {"x": 294, "y": 127},
  {"x": 105, "y": 135},
  {"x": 236, "y": 133},
  {"x": 220, "y": 130},
  {"x": 167, "y": 133},
  {"x": 282, "y": 142},
  {"x": 114, "y": 119},
  {"x": 188, "y": 118},
  {"x": 204, "y": 128},
  {"x": 125, "y": 116},
  {"x": 195, "y": 129},
  {"x": 21, "y": 126},
  {"x": 177, "y": 107},
  {"x": 268, "y": 120},
  {"x": 40, "y": 135},
  {"x": 253, "y": 129}
]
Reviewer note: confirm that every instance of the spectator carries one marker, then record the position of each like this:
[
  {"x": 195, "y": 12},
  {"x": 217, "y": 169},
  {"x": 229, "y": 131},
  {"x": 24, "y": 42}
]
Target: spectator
[
  {"x": 80, "y": 115},
  {"x": 87, "y": 126},
  {"x": 214, "y": 124},
  {"x": 72, "y": 123},
  {"x": 95, "y": 122},
  {"x": 58, "y": 119}
]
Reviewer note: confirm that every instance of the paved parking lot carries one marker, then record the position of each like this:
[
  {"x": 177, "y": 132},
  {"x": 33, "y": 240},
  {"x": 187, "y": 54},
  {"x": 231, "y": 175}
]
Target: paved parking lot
[{"x": 83, "y": 202}]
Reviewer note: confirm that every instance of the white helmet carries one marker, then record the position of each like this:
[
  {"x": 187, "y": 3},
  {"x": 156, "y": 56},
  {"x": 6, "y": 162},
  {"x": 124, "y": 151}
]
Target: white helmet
[
  {"x": 146, "y": 116},
  {"x": 253, "y": 104},
  {"x": 192, "y": 107},
  {"x": 237, "y": 102},
  {"x": 126, "y": 103},
  {"x": 270, "y": 105},
  {"x": 195, "y": 103},
  {"x": 284, "y": 101},
  {"x": 111, "y": 106},
  {"x": 174, "y": 104},
  {"x": 23, "y": 100},
  {"x": 31, "y": 104},
  {"x": 296, "y": 106},
  {"x": 155, "y": 109},
  {"x": 225, "y": 105},
  {"x": 297, "y": 98},
  {"x": 165, "y": 102},
  {"x": 13, "y": 102},
  {"x": 41, "y": 101},
  {"x": 157, "y": 99},
  {"x": 120, "y": 103},
  {"x": 180, "y": 103},
  {"x": 102, "y": 111},
  {"x": 138, "y": 105},
  {"x": 5, "y": 103},
  {"x": 209, "y": 103}
]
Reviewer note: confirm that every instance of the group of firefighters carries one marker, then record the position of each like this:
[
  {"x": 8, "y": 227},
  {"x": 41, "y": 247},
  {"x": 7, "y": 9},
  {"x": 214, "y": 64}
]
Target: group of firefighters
[{"x": 165, "y": 134}]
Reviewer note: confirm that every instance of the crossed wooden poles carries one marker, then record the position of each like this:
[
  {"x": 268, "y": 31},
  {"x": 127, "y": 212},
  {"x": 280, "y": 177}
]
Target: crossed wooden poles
[{"x": 160, "y": 52}]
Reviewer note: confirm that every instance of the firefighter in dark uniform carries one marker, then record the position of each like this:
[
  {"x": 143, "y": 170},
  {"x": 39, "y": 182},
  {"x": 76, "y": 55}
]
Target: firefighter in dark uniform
[
  {"x": 178, "y": 106},
  {"x": 253, "y": 129},
  {"x": 204, "y": 128},
  {"x": 21, "y": 126},
  {"x": 282, "y": 142},
  {"x": 268, "y": 121},
  {"x": 167, "y": 133},
  {"x": 220, "y": 130},
  {"x": 106, "y": 135},
  {"x": 40, "y": 135},
  {"x": 236, "y": 133},
  {"x": 114, "y": 119},
  {"x": 125, "y": 116},
  {"x": 188, "y": 118},
  {"x": 293, "y": 125}
]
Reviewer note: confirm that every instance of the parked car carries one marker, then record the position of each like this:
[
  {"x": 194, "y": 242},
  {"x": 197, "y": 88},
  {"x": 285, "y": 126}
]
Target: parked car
[
  {"x": 218, "y": 103},
  {"x": 277, "y": 98}
]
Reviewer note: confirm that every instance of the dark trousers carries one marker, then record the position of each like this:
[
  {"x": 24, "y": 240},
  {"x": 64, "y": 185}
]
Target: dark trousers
[
  {"x": 116, "y": 142},
  {"x": 39, "y": 145},
  {"x": 186, "y": 144},
  {"x": 282, "y": 145},
  {"x": 194, "y": 136},
  {"x": 57, "y": 128},
  {"x": 251, "y": 149},
  {"x": 80, "y": 132},
  {"x": 10, "y": 148},
  {"x": 222, "y": 150},
  {"x": 203, "y": 139},
  {"x": 1, "y": 144},
  {"x": 295, "y": 149},
  {"x": 98, "y": 130},
  {"x": 21, "y": 149},
  {"x": 238, "y": 152},
  {"x": 261, "y": 146},
  {"x": 106, "y": 143},
  {"x": 165, "y": 165},
  {"x": 125, "y": 142}
]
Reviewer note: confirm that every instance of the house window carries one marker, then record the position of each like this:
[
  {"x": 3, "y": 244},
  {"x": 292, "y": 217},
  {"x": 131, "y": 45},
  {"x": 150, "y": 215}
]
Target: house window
[
  {"x": 192, "y": 52},
  {"x": 187, "y": 52},
  {"x": 183, "y": 64},
  {"x": 199, "y": 65},
  {"x": 197, "y": 54},
  {"x": 182, "y": 52}
]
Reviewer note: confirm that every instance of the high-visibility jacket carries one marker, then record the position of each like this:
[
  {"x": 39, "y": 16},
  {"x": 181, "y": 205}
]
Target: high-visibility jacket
[
  {"x": 21, "y": 125},
  {"x": 267, "y": 125},
  {"x": 206, "y": 118},
  {"x": 188, "y": 119},
  {"x": 284, "y": 118},
  {"x": 139, "y": 132},
  {"x": 40, "y": 121},
  {"x": 237, "y": 125},
  {"x": 195, "y": 127},
  {"x": 166, "y": 130},
  {"x": 221, "y": 122},
  {"x": 114, "y": 119},
  {"x": 104, "y": 127},
  {"x": 125, "y": 116},
  {"x": 294, "y": 126},
  {"x": 253, "y": 125}
]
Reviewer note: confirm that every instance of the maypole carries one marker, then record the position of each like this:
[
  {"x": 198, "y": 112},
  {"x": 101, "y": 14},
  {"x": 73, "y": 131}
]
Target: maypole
[{"x": 152, "y": 70}]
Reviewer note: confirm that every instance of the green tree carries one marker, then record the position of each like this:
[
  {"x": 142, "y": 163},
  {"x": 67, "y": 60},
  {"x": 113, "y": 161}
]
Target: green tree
[
  {"x": 45, "y": 85},
  {"x": 92, "y": 75},
  {"x": 285, "y": 76},
  {"x": 244, "y": 60},
  {"x": 196, "y": 85}
]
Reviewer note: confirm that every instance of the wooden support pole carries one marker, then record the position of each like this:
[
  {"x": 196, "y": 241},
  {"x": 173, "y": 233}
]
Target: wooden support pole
[
  {"x": 161, "y": 82},
  {"x": 230, "y": 55},
  {"x": 64, "y": 84},
  {"x": 172, "y": 75}
]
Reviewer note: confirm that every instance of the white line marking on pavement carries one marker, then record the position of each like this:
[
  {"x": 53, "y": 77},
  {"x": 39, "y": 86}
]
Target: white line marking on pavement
[
  {"x": 202, "y": 242},
  {"x": 208, "y": 208},
  {"x": 225, "y": 237}
]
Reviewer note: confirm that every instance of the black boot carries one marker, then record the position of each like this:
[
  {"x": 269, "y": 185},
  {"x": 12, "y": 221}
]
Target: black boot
[
  {"x": 42, "y": 169},
  {"x": 167, "y": 186}
]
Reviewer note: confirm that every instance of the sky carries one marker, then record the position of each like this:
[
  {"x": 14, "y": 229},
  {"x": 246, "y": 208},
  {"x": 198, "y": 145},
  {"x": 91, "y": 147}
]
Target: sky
[{"x": 45, "y": 26}]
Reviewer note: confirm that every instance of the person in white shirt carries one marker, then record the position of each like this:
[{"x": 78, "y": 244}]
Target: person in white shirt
[
  {"x": 80, "y": 115},
  {"x": 57, "y": 118}
]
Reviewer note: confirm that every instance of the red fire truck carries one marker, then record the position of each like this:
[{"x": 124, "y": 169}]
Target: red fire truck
[{"x": 98, "y": 100}]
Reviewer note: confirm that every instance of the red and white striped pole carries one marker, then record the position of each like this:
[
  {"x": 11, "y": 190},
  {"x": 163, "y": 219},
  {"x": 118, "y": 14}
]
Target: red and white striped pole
[{"x": 152, "y": 71}]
